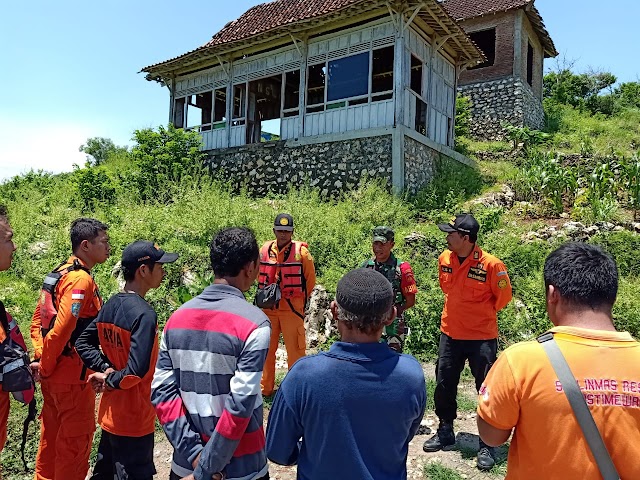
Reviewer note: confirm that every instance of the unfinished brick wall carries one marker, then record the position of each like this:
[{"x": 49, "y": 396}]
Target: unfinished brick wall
[
  {"x": 503, "y": 66},
  {"x": 530, "y": 37}
]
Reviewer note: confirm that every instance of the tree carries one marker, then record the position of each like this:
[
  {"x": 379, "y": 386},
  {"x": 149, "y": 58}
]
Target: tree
[
  {"x": 98, "y": 150},
  {"x": 628, "y": 94},
  {"x": 582, "y": 90}
]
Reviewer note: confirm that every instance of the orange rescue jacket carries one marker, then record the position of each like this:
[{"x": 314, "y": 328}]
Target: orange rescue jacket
[
  {"x": 76, "y": 297},
  {"x": 473, "y": 294},
  {"x": 289, "y": 274}
]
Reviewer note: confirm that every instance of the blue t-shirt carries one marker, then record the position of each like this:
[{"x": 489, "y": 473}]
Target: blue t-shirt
[{"x": 356, "y": 407}]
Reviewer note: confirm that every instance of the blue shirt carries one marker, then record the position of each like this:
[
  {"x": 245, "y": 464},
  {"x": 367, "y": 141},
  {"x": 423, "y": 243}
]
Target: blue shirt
[{"x": 356, "y": 407}]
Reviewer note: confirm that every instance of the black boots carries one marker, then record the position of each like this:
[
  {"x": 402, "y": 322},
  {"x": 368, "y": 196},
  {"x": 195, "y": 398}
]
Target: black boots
[
  {"x": 486, "y": 457},
  {"x": 443, "y": 438}
]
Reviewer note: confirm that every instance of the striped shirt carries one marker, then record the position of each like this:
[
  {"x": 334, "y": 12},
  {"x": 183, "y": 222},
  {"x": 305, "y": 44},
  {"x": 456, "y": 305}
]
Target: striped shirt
[{"x": 206, "y": 387}]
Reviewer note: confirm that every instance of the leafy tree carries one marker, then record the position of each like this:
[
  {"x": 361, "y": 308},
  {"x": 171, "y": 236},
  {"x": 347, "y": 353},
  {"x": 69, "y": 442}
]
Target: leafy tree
[
  {"x": 162, "y": 159},
  {"x": 94, "y": 188},
  {"x": 628, "y": 94},
  {"x": 580, "y": 90},
  {"x": 98, "y": 150}
]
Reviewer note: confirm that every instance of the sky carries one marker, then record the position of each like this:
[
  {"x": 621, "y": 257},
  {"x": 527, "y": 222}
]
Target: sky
[{"x": 69, "y": 69}]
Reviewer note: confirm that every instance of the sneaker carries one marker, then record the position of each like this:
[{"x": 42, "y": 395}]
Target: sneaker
[
  {"x": 443, "y": 438},
  {"x": 486, "y": 457}
]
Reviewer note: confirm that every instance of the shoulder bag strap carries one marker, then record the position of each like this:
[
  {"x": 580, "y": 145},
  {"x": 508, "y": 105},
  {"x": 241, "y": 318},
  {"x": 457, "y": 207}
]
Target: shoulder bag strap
[{"x": 579, "y": 407}]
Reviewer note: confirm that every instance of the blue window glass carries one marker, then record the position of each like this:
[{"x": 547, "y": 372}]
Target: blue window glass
[{"x": 348, "y": 77}]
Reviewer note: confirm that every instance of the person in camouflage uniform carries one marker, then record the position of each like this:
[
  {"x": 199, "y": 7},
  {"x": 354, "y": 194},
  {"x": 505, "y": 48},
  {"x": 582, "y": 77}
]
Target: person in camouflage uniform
[{"x": 400, "y": 276}]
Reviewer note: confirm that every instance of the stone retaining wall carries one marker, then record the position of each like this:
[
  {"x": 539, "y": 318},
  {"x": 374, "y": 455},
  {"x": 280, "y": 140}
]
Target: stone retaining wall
[
  {"x": 419, "y": 164},
  {"x": 331, "y": 167},
  {"x": 508, "y": 99}
]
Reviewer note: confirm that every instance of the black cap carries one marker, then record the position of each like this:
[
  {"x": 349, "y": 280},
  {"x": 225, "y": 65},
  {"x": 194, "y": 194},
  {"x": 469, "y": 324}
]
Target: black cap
[
  {"x": 283, "y": 221},
  {"x": 141, "y": 252},
  {"x": 364, "y": 292},
  {"x": 464, "y": 223},
  {"x": 383, "y": 234}
]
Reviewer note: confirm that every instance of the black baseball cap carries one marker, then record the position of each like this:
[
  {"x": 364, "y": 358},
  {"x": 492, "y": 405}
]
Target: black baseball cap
[
  {"x": 464, "y": 223},
  {"x": 283, "y": 221},
  {"x": 383, "y": 234},
  {"x": 141, "y": 252}
]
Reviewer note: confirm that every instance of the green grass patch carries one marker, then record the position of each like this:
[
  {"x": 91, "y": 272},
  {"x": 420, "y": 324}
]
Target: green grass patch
[{"x": 437, "y": 471}]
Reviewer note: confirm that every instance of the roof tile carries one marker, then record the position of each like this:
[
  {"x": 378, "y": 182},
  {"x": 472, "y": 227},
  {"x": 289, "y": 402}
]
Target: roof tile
[{"x": 463, "y": 9}]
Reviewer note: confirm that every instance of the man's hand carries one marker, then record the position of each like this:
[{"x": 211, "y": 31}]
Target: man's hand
[
  {"x": 35, "y": 371},
  {"x": 98, "y": 380},
  {"x": 216, "y": 476}
]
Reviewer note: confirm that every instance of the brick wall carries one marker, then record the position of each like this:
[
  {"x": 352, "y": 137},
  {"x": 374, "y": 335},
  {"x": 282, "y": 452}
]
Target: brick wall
[
  {"x": 529, "y": 36},
  {"x": 503, "y": 66}
]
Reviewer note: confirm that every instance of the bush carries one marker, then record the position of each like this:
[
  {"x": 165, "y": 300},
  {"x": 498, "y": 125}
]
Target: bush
[
  {"x": 94, "y": 187},
  {"x": 463, "y": 116},
  {"x": 163, "y": 162}
]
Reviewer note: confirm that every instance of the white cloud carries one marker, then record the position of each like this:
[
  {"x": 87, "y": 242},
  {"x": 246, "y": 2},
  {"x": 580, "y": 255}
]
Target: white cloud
[{"x": 39, "y": 146}]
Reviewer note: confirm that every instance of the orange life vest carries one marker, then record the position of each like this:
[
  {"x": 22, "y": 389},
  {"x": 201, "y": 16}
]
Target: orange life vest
[{"x": 288, "y": 275}]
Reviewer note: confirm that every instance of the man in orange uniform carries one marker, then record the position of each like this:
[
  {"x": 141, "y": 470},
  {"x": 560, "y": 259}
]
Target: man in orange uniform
[
  {"x": 290, "y": 265},
  {"x": 121, "y": 346},
  {"x": 522, "y": 390},
  {"x": 14, "y": 360},
  {"x": 68, "y": 303},
  {"x": 476, "y": 286}
]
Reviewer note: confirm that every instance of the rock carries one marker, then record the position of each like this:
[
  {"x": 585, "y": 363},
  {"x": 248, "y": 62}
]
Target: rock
[
  {"x": 618, "y": 228},
  {"x": 414, "y": 238},
  {"x": 573, "y": 227},
  {"x": 606, "y": 226},
  {"x": 635, "y": 226},
  {"x": 189, "y": 278},
  {"x": 591, "y": 231},
  {"x": 530, "y": 236},
  {"x": 565, "y": 215},
  {"x": 318, "y": 321},
  {"x": 116, "y": 271},
  {"x": 39, "y": 248}
]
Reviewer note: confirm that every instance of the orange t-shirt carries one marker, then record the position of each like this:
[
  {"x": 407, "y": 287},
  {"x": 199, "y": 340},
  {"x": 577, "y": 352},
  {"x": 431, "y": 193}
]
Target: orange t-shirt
[
  {"x": 474, "y": 293},
  {"x": 523, "y": 391}
]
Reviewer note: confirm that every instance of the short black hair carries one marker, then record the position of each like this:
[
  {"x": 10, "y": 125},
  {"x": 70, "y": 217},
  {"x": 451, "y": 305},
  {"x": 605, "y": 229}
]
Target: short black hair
[
  {"x": 473, "y": 237},
  {"x": 85, "y": 229},
  {"x": 129, "y": 273},
  {"x": 583, "y": 274},
  {"x": 231, "y": 249},
  {"x": 4, "y": 214}
]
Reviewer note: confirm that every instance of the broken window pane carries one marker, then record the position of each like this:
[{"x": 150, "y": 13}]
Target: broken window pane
[
  {"x": 416, "y": 75},
  {"x": 239, "y": 100},
  {"x": 348, "y": 77},
  {"x": 199, "y": 109},
  {"x": 178, "y": 112},
  {"x": 486, "y": 41},
  {"x": 291, "y": 89},
  {"x": 316, "y": 83},
  {"x": 382, "y": 70},
  {"x": 220, "y": 105}
]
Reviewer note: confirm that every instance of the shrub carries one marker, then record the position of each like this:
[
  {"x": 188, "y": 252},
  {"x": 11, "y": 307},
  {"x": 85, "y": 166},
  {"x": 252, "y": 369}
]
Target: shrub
[
  {"x": 463, "y": 116},
  {"x": 94, "y": 187},
  {"x": 163, "y": 162}
]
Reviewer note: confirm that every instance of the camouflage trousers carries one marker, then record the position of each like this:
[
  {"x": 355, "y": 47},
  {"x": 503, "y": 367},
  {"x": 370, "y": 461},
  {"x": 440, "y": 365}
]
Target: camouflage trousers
[{"x": 395, "y": 334}]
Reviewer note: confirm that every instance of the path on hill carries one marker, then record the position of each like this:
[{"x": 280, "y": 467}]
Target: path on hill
[{"x": 460, "y": 458}]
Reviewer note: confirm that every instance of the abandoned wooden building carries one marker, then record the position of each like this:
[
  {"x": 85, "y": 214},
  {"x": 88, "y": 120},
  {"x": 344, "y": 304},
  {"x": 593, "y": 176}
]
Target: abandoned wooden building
[
  {"x": 507, "y": 86},
  {"x": 349, "y": 89}
]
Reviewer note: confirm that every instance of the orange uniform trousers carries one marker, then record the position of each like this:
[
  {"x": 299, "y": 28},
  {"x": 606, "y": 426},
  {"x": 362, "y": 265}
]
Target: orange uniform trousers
[
  {"x": 293, "y": 333},
  {"x": 66, "y": 431},
  {"x": 4, "y": 417}
]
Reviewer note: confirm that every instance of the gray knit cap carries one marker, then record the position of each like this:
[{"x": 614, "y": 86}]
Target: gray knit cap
[{"x": 364, "y": 292}]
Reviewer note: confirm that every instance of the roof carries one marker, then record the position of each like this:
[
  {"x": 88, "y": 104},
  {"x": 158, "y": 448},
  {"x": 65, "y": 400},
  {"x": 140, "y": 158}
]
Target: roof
[
  {"x": 465, "y": 9},
  {"x": 284, "y": 18}
]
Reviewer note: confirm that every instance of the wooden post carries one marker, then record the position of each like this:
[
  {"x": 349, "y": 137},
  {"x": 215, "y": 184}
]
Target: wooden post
[
  {"x": 229, "y": 105},
  {"x": 302, "y": 102},
  {"x": 172, "y": 95},
  {"x": 399, "y": 82},
  {"x": 433, "y": 50}
]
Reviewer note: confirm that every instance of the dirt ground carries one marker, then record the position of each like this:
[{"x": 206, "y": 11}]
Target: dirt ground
[{"x": 460, "y": 457}]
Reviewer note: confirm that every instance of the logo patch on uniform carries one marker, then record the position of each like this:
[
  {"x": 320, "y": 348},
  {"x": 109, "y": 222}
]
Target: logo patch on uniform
[
  {"x": 446, "y": 269},
  {"x": 75, "y": 309},
  {"x": 480, "y": 266},
  {"x": 476, "y": 255},
  {"x": 501, "y": 273},
  {"x": 502, "y": 283},
  {"x": 477, "y": 274}
]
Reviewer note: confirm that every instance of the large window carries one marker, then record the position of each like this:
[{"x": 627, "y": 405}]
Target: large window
[
  {"x": 348, "y": 77},
  {"x": 199, "y": 109},
  {"x": 486, "y": 41},
  {"x": 357, "y": 79}
]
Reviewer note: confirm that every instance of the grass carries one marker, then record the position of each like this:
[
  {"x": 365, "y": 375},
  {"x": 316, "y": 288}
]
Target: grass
[{"x": 437, "y": 471}]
